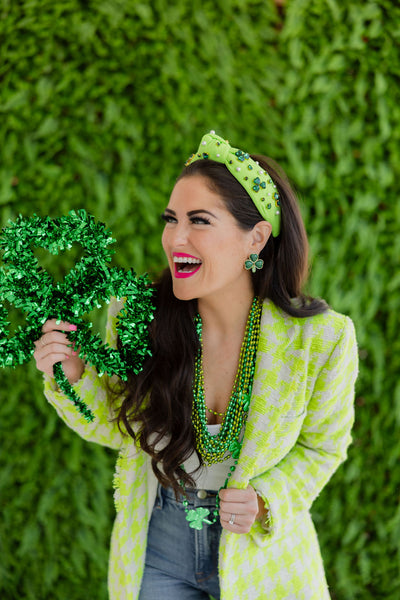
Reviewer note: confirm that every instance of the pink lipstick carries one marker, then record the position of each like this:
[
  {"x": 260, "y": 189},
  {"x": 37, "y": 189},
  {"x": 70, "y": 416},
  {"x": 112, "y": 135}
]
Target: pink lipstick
[{"x": 185, "y": 265}]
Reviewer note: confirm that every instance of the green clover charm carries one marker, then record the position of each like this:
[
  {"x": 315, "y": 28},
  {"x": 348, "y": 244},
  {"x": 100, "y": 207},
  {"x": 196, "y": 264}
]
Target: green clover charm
[
  {"x": 197, "y": 516},
  {"x": 253, "y": 263},
  {"x": 235, "y": 448},
  {"x": 244, "y": 400}
]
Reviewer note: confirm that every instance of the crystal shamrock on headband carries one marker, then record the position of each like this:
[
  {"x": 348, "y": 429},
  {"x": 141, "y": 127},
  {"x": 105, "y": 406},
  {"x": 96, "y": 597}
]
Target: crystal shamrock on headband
[{"x": 253, "y": 178}]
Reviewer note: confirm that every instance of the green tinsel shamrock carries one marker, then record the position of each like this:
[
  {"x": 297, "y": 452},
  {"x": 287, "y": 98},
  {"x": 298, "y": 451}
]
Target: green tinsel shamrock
[
  {"x": 197, "y": 516},
  {"x": 253, "y": 263},
  {"x": 24, "y": 284}
]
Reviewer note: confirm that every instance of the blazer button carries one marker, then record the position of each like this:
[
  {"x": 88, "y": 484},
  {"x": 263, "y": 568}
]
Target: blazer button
[{"x": 202, "y": 494}]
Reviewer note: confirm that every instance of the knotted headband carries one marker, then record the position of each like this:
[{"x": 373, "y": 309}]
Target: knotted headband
[{"x": 255, "y": 180}]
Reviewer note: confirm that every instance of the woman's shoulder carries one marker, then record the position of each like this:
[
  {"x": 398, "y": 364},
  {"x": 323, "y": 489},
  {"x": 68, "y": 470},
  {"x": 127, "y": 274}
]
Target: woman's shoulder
[{"x": 321, "y": 329}]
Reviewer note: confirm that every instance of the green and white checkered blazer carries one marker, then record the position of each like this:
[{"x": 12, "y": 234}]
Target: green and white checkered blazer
[{"x": 297, "y": 434}]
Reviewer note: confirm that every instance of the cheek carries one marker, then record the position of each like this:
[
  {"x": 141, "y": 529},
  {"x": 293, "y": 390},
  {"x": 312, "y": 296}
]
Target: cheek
[
  {"x": 164, "y": 241},
  {"x": 228, "y": 258},
  {"x": 234, "y": 250}
]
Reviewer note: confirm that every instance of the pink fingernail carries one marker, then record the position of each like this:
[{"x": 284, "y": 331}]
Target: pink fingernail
[
  {"x": 74, "y": 352},
  {"x": 72, "y": 327}
]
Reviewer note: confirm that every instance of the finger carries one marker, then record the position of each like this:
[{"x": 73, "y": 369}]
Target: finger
[
  {"x": 226, "y": 517},
  {"x": 239, "y": 518},
  {"x": 238, "y": 508},
  {"x": 236, "y": 495},
  {"x": 55, "y": 358},
  {"x": 53, "y": 337},
  {"x": 56, "y": 325},
  {"x": 46, "y": 364},
  {"x": 236, "y": 527},
  {"x": 45, "y": 350}
]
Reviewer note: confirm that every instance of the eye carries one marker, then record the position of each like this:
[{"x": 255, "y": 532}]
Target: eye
[
  {"x": 200, "y": 221},
  {"x": 168, "y": 218}
]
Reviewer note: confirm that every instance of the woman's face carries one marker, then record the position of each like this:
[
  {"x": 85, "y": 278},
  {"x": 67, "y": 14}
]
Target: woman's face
[{"x": 203, "y": 243}]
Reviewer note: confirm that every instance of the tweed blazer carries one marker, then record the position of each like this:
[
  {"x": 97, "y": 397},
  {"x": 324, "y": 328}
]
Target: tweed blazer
[{"x": 297, "y": 433}]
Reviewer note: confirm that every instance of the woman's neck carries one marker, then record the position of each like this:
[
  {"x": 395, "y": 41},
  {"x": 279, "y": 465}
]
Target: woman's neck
[{"x": 224, "y": 315}]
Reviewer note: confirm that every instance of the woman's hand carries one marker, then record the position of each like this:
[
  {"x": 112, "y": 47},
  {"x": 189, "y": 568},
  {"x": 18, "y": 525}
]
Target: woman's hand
[
  {"x": 54, "y": 346},
  {"x": 242, "y": 507}
]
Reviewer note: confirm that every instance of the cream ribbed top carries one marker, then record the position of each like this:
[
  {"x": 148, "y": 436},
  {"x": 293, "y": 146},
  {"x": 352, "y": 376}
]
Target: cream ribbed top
[{"x": 212, "y": 477}]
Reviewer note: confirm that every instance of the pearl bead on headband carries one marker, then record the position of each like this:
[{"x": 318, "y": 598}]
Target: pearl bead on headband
[{"x": 253, "y": 178}]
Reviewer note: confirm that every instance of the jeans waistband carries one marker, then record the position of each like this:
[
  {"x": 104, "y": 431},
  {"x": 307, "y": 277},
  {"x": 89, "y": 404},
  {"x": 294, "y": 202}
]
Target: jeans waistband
[{"x": 197, "y": 497}]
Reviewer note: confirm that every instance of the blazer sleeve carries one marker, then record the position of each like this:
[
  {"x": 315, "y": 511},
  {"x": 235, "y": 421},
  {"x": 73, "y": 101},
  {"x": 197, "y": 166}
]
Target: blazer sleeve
[
  {"x": 94, "y": 391},
  {"x": 292, "y": 485}
]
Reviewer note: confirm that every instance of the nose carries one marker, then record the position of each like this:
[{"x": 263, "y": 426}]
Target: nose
[
  {"x": 179, "y": 235},
  {"x": 174, "y": 237}
]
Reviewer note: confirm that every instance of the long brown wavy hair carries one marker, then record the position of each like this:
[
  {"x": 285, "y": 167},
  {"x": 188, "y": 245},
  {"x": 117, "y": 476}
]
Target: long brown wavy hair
[{"x": 157, "y": 404}]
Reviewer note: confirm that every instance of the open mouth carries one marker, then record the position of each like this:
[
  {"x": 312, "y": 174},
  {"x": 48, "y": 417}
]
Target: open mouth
[{"x": 185, "y": 265}]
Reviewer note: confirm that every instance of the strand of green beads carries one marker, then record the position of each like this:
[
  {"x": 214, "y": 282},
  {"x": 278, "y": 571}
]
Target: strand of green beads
[
  {"x": 248, "y": 376},
  {"x": 216, "y": 413},
  {"x": 214, "y": 448}
]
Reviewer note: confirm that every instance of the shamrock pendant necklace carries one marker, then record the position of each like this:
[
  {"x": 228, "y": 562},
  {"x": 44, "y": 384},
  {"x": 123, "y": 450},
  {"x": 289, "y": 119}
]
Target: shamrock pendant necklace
[{"x": 217, "y": 448}]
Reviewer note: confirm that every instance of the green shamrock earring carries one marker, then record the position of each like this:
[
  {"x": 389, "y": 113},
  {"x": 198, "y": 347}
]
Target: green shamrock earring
[{"x": 253, "y": 263}]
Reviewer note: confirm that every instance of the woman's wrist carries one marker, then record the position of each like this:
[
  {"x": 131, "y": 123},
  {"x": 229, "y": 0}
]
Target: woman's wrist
[{"x": 78, "y": 375}]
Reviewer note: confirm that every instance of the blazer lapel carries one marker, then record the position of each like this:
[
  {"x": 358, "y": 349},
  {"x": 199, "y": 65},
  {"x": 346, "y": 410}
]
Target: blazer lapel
[{"x": 275, "y": 402}]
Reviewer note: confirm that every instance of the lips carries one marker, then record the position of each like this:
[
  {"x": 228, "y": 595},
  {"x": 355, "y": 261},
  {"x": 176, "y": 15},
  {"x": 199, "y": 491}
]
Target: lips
[{"x": 185, "y": 265}]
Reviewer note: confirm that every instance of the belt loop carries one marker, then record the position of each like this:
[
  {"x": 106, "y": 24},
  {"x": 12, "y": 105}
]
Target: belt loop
[{"x": 160, "y": 499}]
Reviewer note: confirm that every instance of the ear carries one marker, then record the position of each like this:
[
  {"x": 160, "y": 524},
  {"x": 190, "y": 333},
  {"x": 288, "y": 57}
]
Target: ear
[{"x": 260, "y": 236}]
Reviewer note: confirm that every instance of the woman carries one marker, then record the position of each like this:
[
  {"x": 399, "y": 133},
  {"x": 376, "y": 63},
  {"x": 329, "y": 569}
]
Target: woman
[{"x": 245, "y": 408}]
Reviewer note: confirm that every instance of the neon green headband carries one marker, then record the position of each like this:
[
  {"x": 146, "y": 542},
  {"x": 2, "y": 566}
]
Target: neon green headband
[{"x": 255, "y": 180}]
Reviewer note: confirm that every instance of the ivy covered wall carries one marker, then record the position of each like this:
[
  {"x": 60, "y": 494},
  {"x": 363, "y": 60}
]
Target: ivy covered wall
[{"x": 100, "y": 104}]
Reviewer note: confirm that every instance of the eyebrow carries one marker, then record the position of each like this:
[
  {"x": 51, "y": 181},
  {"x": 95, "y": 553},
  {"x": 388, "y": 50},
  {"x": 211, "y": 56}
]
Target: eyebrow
[{"x": 191, "y": 212}]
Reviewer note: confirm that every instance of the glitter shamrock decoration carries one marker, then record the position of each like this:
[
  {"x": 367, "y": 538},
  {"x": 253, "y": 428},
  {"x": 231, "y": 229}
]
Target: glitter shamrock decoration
[
  {"x": 198, "y": 516},
  {"x": 24, "y": 284},
  {"x": 253, "y": 263}
]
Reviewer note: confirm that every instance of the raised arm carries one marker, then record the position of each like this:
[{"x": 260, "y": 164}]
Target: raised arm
[{"x": 54, "y": 346}]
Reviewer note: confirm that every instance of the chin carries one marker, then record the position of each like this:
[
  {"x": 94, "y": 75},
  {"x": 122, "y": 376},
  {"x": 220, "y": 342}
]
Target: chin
[
  {"x": 182, "y": 296},
  {"x": 181, "y": 293}
]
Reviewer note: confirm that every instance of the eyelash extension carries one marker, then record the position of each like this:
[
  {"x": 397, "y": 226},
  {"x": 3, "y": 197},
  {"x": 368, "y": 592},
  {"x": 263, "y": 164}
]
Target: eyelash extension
[
  {"x": 203, "y": 220},
  {"x": 167, "y": 218},
  {"x": 196, "y": 220}
]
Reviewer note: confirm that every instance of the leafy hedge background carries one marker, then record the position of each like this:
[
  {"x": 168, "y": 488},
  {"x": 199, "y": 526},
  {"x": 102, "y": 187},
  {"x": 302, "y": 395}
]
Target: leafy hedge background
[{"x": 100, "y": 104}]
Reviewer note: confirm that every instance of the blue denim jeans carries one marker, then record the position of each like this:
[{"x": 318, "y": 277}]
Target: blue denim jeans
[{"x": 181, "y": 562}]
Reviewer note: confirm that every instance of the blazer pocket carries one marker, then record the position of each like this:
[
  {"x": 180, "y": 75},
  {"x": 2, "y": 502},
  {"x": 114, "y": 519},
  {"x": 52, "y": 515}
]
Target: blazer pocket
[
  {"x": 295, "y": 413},
  {"x": 291, "y": 423}
]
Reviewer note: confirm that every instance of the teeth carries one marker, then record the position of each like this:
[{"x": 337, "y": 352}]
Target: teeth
[{"x": 183, "y": 259}]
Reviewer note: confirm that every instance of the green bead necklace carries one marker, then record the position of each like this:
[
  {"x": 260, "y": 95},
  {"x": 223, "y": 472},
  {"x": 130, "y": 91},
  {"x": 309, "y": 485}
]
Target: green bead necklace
[{"x": 217, "y": 448}]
